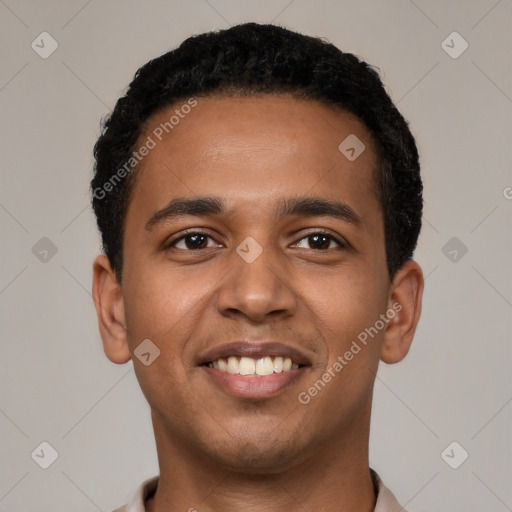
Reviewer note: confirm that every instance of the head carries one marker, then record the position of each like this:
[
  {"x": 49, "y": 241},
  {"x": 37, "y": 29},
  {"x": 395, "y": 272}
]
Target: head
[
  {"x": 241, "y": 137},
  {"x": 253, "y": 60}
]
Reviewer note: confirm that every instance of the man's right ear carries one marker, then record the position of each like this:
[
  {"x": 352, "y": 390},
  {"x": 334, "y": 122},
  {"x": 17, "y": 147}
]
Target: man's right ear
[{"x": 109, "y": 304}]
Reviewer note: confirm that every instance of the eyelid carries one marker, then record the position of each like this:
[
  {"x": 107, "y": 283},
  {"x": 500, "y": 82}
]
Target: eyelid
[
  {"x": 341, "y": 241},
  {"x": 186, "y": 232},
  {"x": 323, "y": 231}
]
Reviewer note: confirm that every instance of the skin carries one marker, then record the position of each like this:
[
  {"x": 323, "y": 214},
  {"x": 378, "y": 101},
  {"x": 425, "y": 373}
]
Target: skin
[{"x": 217, "y": 451}]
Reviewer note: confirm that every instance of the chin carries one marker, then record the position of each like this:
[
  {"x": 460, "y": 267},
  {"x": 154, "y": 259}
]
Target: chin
[{"x": 256, "y": 454}]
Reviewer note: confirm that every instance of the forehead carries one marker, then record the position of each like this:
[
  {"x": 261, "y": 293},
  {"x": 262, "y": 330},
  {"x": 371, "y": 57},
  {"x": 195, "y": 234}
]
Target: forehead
[{"x": 252, "y": 149}]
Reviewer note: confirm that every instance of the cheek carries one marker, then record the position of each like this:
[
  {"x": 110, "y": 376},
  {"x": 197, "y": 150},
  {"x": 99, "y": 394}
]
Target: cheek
[
  {"x": 348, "y": 307},
  {"x": 344, "y": 315},
  {"x": 156, "y": 301},
  {"x": 158, "y": 310},
  {"x": 167, "y": 307}
]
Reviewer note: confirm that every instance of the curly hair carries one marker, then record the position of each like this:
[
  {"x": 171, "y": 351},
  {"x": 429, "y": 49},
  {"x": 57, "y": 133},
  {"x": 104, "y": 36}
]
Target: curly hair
[{"x": 255, "y": 59}]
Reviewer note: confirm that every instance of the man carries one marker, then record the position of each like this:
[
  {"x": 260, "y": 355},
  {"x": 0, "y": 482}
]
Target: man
[{"x": 259, "y": 201}]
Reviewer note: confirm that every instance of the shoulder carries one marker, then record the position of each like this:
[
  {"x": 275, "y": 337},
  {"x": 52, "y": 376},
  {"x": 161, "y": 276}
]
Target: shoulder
[
  {"x": 386, "y": 501},
  {"x": 137, "y": 503}
]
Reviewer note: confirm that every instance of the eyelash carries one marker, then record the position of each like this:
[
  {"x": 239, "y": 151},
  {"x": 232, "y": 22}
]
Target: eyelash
[{"x": 342, "y": 244}]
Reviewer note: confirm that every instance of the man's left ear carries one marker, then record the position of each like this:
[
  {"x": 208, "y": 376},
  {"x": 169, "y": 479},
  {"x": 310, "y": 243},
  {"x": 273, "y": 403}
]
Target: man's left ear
[{"x": 406, "y": 292}]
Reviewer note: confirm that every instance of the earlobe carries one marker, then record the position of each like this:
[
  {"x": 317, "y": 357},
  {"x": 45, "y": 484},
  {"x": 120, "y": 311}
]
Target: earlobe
[
  {"x": 109, "y": 304},
  {"x": 405, "y": 300}
]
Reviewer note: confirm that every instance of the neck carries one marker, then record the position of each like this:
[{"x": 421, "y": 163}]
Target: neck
[{"x": 335, "y": 477}]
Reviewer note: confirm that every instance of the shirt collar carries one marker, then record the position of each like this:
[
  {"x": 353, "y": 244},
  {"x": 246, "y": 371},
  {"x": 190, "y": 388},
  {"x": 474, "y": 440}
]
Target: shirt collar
[{"x": 386, "y": 501}]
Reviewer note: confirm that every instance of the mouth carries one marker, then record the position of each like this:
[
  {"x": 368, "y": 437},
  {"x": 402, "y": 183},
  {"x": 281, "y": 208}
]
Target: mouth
[
  {"x": 254, "y": 371},
  {"x": 248, "y": 366}
]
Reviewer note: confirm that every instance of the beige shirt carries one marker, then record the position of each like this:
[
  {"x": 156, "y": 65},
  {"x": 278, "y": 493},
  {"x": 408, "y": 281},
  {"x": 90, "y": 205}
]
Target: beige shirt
[{"x": 386, "y": 501}]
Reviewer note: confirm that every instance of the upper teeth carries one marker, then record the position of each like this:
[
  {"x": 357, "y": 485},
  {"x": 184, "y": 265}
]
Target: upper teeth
[{"x": 249, "y": 366}]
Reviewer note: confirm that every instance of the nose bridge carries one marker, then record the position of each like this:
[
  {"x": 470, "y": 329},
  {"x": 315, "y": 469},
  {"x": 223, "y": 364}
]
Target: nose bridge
[{"x": 257, "y": 284}]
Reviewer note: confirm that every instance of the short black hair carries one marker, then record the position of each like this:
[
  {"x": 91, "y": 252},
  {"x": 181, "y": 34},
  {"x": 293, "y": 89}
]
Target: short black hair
[{"x": 255, "y": 59}]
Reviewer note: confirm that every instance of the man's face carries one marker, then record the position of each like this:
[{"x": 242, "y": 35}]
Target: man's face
[{"x": 250, "y": 280}]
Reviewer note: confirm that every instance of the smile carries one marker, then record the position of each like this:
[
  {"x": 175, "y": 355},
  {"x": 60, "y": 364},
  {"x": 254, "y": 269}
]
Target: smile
[
  {"x": 251, "y": 367},
  {"x": 252, "y": 370}
]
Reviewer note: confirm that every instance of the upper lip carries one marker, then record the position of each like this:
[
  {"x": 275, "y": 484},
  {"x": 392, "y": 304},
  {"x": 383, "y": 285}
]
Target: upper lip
[{"x": 254, "y": 350}]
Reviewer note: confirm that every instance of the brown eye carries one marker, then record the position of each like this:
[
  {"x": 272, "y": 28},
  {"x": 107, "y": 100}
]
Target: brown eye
[
  {"x": 321, "y": 241},
  {"x": 191, "y": 242}
]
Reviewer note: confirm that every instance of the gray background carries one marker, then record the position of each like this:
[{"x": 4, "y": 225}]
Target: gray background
[{"x": 56, "y": 384}]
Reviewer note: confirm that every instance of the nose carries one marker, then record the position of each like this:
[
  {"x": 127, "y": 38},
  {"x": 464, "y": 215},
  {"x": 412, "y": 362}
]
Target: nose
[{"x": 257, "y": 289}]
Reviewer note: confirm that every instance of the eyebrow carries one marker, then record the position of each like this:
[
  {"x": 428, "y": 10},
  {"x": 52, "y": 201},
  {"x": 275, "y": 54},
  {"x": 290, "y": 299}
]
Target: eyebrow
[{"x": 305, "y": 206}]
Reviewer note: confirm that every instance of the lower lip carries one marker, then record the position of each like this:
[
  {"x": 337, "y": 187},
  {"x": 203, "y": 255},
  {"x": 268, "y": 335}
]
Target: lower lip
[{"x": 254, "y": 387}]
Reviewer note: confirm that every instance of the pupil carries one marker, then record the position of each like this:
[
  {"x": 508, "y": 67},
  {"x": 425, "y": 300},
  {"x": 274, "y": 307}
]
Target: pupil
[
  {"x": 197, "y": 241},
  {"x": 320, "y": 241}
]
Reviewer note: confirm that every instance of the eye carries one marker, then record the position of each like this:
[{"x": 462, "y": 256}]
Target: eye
[
  {"x": 320, "y": 240},
  {"x": 191, "y": 241},
  {"x": 197, "y": 240}
]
